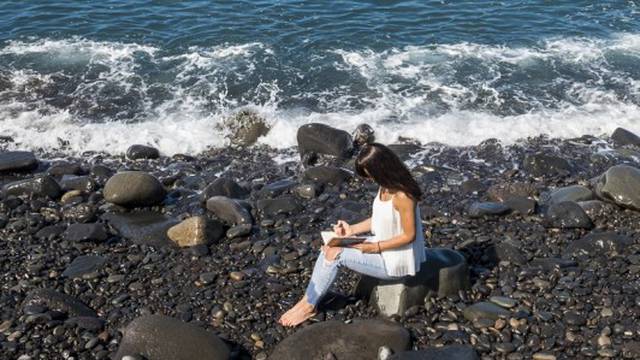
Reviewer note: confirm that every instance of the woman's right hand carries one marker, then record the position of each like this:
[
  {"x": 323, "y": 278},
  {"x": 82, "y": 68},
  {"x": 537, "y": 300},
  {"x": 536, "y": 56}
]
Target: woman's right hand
[{"x": 342, "y": 228}]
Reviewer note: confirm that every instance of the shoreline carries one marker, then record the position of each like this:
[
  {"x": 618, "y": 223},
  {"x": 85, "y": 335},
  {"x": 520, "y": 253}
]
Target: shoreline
[{"x": 238, "y": 285}]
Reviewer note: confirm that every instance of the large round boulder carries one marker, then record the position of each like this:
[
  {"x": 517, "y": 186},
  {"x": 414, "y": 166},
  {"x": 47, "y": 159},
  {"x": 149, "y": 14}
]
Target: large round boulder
[
  {"x": 620, "y": 185},
  {"x": 359, "y": 340},
  {"x": 160, "y": 337},
  {"x": 318, "y": 138},
  {"x": 134, "y": 189}
]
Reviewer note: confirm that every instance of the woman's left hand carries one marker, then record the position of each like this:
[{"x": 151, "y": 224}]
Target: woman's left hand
[{"x": 367, "y": 247}]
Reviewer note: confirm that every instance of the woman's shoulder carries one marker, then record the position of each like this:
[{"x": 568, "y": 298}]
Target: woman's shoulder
[{"x": 401, "y": 199}]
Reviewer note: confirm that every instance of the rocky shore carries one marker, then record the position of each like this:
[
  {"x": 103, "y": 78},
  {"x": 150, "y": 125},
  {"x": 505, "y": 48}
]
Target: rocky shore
[{"x": 145, "y": 256}]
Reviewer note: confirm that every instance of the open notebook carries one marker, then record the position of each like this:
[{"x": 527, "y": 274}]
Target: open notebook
[{"x": 330, "y": 238}]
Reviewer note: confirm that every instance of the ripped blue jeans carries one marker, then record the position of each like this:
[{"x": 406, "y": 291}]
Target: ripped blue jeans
[{"x": 326, "y": 271}]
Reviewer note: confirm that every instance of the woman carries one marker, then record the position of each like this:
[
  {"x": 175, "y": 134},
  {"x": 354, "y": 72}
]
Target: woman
[{"x": 395, "y": 250}]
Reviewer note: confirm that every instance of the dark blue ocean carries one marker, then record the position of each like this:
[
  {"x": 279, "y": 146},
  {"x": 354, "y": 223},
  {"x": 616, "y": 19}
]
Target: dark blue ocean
[{"x": 102, "y": 75}]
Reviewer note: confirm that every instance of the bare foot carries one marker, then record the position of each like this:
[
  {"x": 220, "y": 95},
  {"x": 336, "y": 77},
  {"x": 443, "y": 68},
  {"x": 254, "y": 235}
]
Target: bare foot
[{"x": 298, "y": 314}]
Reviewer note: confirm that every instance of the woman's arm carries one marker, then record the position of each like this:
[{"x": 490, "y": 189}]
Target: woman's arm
[
  {"x": 361, "y": 227},
  {"x": 407, "y": 209}
]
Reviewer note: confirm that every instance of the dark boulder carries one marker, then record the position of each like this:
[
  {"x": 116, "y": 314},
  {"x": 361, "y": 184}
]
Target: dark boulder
[
  {"x": 17, "y": 161},
  {"x": 40, "y": 186},
  {"x": 326, "y": 175},
  {"x": 136, "y": 152},
  {"x": 359, "y": 340},
  {"x": 61, "y": 168},
  {"x": 603, "y": 243},
  {"x": 443, "y": 273},
  {"x": 161, "y": 337},
  {"x": 277, "y": 188},
  {"x": 282, "y": 205},
  {"x": 622, "y": 137},
  {"x": 134, "y": 189},
  {"x": 567, "y": 215},
  {"x": 318, "y": 138},
  {"x": 620, "y": 185},
  {"x": 229, "y": 210},
  {"x": 223, "y": 187}
]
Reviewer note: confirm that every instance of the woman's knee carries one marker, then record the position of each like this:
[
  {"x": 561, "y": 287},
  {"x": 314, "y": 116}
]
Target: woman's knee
[{"x": 331, "y": 253}]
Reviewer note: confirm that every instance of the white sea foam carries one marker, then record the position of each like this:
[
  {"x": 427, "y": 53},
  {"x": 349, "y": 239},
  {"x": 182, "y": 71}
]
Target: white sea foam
[{"x": 415, "y": 92}]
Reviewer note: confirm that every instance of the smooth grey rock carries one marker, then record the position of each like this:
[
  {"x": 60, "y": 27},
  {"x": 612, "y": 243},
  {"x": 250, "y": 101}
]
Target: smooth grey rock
[
  {"x": 85, "y": 232},
  {"x": 160, "y": 337},
  {"x": 480, "y": 209},
  {"x": 17, "y": 161},
  {"x": 622, "y": 137},
  {"x": 39, "y": 186},
  {"x": 567, "y": 215},
  {"x": 148, "y": 228},
  {"x": 223, "y": 187},
  {"x": 282, "y": 205},
  {"x": 443, "y": 273},
  {"x": 484, "y": 310},
  {"x": 620, "y": 185},
  {"x": 359, "y": 340},
  {"x": 608, "y": 243},
  {"x": 54, "y": 300},
  {"x": 316, "y": 138},
  {"x": 573, "y": 193},
  {"x": 136, "y": 152},
  {"x": 134, "y": 189},
  {"x": 83, "y": 264},
  {"x": 324, "y": 175},
  {"x": 229, "y": 210},
  {"x": 449, "y": 352}
]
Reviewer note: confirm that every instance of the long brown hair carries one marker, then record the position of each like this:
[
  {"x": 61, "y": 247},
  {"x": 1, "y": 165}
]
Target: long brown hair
[{"x": 383, "y": 166}]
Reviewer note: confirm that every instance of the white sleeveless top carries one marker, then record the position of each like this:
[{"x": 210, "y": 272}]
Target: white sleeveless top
[{"x": 385, "y": 224}]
